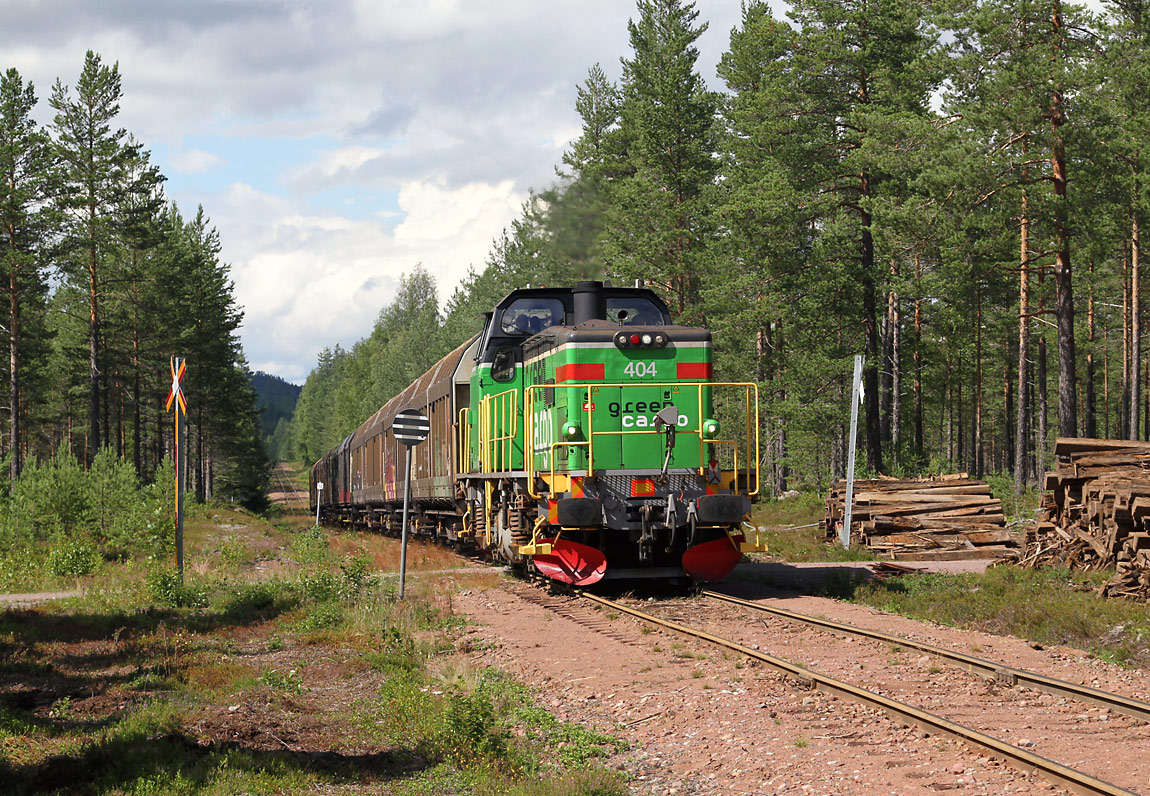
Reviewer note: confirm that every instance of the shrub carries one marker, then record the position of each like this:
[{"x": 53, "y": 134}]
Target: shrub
[
  {"x": 355, "y": 571},
  {"x": 71, "y": 558},
  {"x": 290, "y": 681},
  {"x": 117, "y": 513},
  {"x": 51, "y": 498},
  {"x": 310, "y": 546},
  {"x": 166, "y": 588},
  {"x": 322, "y": 617}
]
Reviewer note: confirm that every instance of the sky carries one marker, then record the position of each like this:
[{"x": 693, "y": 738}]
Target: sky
[{"x": 336, "y": 145}]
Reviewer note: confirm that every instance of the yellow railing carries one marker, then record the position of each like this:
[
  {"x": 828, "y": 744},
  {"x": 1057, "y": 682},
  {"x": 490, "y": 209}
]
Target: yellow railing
[
  {"x": 498, "y": 426},
  {"x": 751, "y": 416},
  {"x": 463, "y": 443}
]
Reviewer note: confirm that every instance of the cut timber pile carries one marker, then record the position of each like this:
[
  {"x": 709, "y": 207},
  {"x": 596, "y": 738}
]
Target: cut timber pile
[
  {"x": 945, "y": 518},
  {"x": 1096, "y": 513}
]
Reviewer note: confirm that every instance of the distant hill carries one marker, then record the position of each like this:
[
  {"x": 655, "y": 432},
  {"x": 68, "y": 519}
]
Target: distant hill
[{"x": 276, "y": 400}]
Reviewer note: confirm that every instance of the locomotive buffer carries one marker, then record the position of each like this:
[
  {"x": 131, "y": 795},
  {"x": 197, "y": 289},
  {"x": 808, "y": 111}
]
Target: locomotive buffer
[{"x": 411, "y": 428}]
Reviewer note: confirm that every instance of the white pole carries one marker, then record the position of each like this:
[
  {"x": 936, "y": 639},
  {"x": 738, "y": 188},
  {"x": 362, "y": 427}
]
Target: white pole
[
  {"x": 403, "y": 534},
  {"x": 856, "y": 398},
  {"x": 318, "y": 500}
]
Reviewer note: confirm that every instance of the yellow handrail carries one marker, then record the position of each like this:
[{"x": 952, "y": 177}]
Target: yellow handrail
[
  {"x": 751, "y": 415},
  {"x": 463, "y": 440},
  {"x": 498, "y": 427}
]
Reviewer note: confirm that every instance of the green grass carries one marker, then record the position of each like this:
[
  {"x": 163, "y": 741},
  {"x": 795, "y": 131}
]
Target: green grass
[
  {"x": 792, "y": 533},
  {"x": 168, "y": 653},
  {"x": 1043, "y": 606}
]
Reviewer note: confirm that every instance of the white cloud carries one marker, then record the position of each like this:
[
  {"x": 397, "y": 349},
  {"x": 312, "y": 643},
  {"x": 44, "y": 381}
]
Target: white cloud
[
  {"x": 310, "y": 281},
  {"x": 453, "y": 106},
  {"x": 194, "y": 161}
]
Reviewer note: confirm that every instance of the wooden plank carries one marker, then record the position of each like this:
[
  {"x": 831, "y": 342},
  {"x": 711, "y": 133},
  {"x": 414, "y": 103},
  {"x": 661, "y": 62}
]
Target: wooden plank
[
  {"x": 990, "y": 537},
  {"x": 1064, "y": 446},
  {"x": 978, "y": 553},
  {"x": 875, "y": 498}
]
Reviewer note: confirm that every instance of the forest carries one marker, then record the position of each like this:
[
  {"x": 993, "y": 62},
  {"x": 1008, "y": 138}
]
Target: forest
[
  {"x": 951, "y": 189},
  {"x": 104, "y": 279}
]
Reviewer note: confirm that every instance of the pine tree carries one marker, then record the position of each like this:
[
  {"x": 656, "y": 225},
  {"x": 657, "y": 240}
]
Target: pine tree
[
  {"x": 101, "y": 179},
  {"x": 659, "y": 216},
  {"x": 28, "y": 170}
]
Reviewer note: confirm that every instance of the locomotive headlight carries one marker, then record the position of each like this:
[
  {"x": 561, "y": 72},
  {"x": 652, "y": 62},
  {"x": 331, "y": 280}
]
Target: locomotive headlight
[
  {"x": 571, "y": 430},
  {"x": 621, "y": 340},
  {"x": 647, "y": 339},
  {"x": 660, "y": 340},
  {"x": 710, "y": 427}
]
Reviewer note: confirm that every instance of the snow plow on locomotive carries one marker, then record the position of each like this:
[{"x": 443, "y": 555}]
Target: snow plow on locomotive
[{"x": 580, "y": 435}]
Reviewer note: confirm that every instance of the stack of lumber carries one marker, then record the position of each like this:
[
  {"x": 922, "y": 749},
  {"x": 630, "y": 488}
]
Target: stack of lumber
[
  {"x": 944, "y": 518},
  {"x": 1095, "y": 513}
]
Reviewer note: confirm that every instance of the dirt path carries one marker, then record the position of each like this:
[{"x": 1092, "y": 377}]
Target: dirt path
[
  {"x": 20, "y": 600},
  {"x": 707, "y": 723}
]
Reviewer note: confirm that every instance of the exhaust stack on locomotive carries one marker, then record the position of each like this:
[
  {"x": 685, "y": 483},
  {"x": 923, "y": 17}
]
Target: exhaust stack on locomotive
[{"x": 578, "y": 435}]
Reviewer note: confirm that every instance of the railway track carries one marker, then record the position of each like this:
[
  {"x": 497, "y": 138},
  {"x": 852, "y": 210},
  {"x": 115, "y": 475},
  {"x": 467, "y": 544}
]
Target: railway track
[
  {"x": 1064, "y": 776},
  {"x": 292, "y": 496},
  {"x": 1028, "y": 762},
  {"x": 1000, "y": 673}
]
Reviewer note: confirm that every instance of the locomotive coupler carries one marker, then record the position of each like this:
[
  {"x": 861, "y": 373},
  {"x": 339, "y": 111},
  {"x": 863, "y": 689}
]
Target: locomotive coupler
[
  {"x": 692, "y": 520},
  {"x": 672, "y": 521},
  {"x": 647, "y": 539}
]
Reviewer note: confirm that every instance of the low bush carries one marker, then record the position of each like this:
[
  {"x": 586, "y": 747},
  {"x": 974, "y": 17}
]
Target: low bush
[
  {"x": 168, "y": 588},
  {"x": 72, "y": 558}
]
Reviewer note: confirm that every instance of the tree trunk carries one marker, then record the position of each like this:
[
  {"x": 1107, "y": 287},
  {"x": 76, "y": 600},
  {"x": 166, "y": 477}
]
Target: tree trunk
[
  {"x": 781, "y": 469},
  {"x": 93, "y": 445},
  {"x": 1022, "y": 409},
  {"x": 886, "y": 396},
  {"x": 1043, "y": 379},
  {"x": 1063, "y": 283},
  {"x": 1135, "y": 332},
  {"x": 895, "y": 377},
  {"x": 13, "y": 361},
  {"x": 976, "y": 452},
  {"x": 1106, "y": 381},
  {"x": 1091, "y": 397},
  {"x": 961, "y": 430},
  {"x": 918, "y": 430},
  {"x": 870, "y": 327},
  {"x": 1124, "y": 409},
  {"x": 1008, "y": 435}
]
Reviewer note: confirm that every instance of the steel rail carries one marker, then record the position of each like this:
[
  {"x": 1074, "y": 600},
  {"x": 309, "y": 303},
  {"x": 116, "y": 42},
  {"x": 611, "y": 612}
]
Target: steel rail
[
  {"x": 1007, "y": 675},
  {"x": 1061, "y": 775}
]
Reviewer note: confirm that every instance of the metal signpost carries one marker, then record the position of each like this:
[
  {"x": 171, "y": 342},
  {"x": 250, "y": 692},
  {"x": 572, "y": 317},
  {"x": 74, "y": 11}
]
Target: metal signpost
[
  {"x": 176, "y": 398},
  {"x": 411, "y": 427},
  {"x": 856, "y": 399},
  {"x": 318, "y": 500}
]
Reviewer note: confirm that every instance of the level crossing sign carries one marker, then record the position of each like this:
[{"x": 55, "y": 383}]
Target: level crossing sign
[
  {"x": 411, "y": 427},
  {"x": 176, "y": 391}
]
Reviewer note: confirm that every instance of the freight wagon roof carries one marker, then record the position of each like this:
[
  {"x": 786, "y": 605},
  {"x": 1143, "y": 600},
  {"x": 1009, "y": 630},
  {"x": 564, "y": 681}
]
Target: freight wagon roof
[{"x": 433, "y": 384}]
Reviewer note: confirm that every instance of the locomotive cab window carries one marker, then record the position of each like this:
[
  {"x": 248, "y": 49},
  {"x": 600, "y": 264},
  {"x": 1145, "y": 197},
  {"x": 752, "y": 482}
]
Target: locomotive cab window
[
  {"x": 634, "y": 311},
  {"x": 503, "y": 366},
  {"x": 531, "y": 315}
]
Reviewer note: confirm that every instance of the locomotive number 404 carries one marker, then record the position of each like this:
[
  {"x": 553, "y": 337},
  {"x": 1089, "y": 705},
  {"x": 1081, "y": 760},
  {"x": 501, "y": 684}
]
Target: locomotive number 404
[{"x": 639, "y": 369}]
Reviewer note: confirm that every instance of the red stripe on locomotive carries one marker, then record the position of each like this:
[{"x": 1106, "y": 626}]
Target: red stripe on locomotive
[
  {"x": 693, "y": 370},
  {"x": 581, "y": 371}
]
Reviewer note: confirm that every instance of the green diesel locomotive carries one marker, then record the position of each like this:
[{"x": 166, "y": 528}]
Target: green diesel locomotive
[{"x": 580, "y": 435}]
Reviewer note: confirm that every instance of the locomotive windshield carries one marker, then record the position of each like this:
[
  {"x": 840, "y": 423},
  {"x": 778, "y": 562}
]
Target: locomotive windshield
[
  {"x": 531, "y": 315},
  {"x": 634, "y": 311}
]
